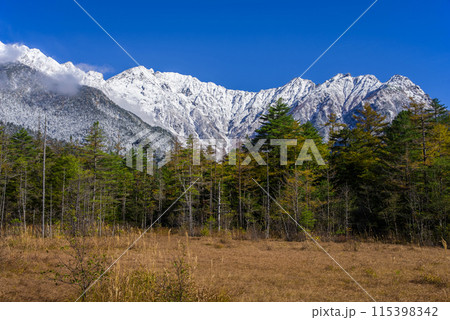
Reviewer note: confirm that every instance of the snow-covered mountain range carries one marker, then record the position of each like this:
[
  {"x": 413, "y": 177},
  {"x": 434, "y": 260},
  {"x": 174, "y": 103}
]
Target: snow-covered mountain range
[{"x": 183, "y": 105}]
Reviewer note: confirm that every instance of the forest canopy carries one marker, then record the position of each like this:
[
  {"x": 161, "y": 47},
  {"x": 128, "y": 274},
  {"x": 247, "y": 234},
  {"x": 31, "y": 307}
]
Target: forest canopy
[{"x": 378, "y": 180}]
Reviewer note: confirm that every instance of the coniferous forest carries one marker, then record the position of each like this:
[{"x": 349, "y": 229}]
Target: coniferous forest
[{"x": 384, "y": 181}]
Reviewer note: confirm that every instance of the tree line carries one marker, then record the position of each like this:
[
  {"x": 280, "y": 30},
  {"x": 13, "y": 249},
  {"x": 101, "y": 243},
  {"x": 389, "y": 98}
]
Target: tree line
[{"x": 378, "y": 180}]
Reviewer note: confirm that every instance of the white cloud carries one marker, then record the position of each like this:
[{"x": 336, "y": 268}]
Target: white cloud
[
  {"x": 89, "y": 67},
  {"x": 10, "y": 53},
  {"x": 59, "y": 81},
  {"x": 64, "y": 83}
]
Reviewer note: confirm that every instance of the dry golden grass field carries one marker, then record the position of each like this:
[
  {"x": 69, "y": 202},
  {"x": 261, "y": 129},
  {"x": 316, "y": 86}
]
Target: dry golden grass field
[{"x": 221, "y": 268}]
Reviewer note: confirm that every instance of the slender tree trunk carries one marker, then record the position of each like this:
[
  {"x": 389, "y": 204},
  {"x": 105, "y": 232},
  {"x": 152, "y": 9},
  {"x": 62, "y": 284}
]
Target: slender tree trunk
[
  {"x": 219, "y": 207},
  {"x": 62, "y": 201},
  {"x": 25, "y": 202},
  {"x": 124, "y": 203},
  {"x": 190, "y": 204},
  {"x": 50, "y": 221},
  {"x": 76, "y": 222},
  {"x": 346, "y": 196},
  {"x": 100, "y": 215},
  {"x": 268, "y": 200},
  {"x": 34, "y": 216},
  {"x": 43, "y": 177},
  {"x": 160, "y": 194},
  {"x": 3, "y": 204},
  {"x": 22, "y": 200},
  {"x": 328, "y": 202},
  {"x": 296, "y": 203},
  {"x": 240, "y": 188}
]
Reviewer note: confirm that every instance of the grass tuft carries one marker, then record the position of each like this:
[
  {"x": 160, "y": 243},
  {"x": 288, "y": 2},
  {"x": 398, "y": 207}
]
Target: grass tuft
[{"x": 431, "y": 279}]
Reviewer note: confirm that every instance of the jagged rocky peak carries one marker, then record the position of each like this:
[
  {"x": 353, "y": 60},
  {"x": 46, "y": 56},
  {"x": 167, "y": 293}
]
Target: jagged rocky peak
[
  {"x": 139, "y": 71},
  {"x": 402, "y": 81}
]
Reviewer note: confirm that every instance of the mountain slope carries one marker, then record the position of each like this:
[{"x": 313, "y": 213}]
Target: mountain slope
[{"x": 27, "y": 94}]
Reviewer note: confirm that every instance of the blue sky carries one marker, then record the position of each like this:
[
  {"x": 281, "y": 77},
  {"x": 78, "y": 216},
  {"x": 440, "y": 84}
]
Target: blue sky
[{"x": 246, "y": 44}]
